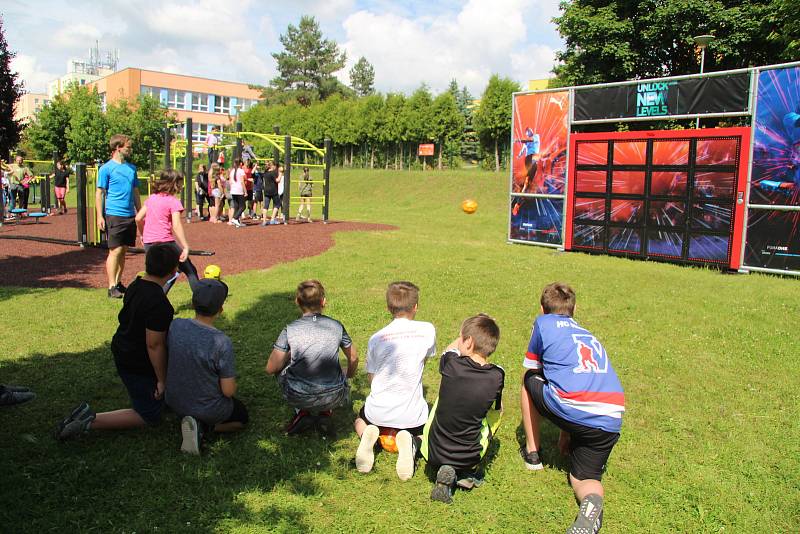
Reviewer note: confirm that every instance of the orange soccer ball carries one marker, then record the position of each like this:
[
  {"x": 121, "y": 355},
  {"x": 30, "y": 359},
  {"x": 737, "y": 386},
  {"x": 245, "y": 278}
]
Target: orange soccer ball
[{"x": 469, "y": 206}]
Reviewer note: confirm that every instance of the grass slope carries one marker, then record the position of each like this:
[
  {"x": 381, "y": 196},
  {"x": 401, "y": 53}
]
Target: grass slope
[{"x": 710, "y": 439}]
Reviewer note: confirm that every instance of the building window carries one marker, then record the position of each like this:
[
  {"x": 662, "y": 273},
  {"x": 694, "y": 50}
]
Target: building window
[
  {"x": 222, "y": 104},
  {"x": 154, "y": 92},
  {"x": 103, "y": 101},
  {"x": 176, "y": 99},
  {"x": 35, "y": 100},
  {"x": 200, "y": 131},
  {"x": 199, "y": 102}
]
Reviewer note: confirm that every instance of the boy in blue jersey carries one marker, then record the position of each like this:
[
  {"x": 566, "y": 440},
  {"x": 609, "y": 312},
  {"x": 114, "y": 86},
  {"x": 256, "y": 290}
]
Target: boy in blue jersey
[
  {"x": 116, "y": 203},
  {"x": 571, "y": 382}
]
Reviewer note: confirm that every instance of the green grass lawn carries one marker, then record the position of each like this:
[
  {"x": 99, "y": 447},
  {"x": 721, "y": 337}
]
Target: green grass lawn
[{"x": 710, "y": 439}]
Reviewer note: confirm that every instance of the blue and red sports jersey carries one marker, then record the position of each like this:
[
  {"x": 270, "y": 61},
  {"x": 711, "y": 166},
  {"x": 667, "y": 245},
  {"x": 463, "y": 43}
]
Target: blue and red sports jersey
[{"x": 582, "y": 386}]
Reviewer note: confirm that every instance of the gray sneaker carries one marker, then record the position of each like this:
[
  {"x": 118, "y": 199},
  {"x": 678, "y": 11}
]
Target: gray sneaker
[
  {"x": 10, "y": 395},
  {"x": 190, "y": 431},
  {"x": 443, "y": 489},
  {"x": 590, "y": 516},
  {"x": 76, "y": 423}
]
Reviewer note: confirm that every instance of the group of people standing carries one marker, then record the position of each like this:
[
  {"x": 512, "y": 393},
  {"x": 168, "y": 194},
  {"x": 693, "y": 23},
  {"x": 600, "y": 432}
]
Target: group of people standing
[{"x": 248, "y": 192}]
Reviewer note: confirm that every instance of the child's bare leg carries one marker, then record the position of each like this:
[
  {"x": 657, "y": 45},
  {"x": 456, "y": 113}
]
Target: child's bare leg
[
  {"x": 582, "y": 488},
  {"x": 530, "y": 420},
  {"x": 232, "y": 426},
  {"x": 359, "y": 425},
  {"x": 118, "y": 420}
]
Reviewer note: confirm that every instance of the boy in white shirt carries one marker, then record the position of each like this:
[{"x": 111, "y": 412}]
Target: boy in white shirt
[{"x": 396, "y": 356}]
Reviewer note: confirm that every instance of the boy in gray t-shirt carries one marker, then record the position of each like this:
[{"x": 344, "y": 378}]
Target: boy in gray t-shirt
[
  {"x": 305, "y": 358},
  {"x": 201, "y": 372}
]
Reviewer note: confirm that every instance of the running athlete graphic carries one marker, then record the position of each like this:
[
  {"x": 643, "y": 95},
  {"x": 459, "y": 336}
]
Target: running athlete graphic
[{"x": 791, "y": 181}]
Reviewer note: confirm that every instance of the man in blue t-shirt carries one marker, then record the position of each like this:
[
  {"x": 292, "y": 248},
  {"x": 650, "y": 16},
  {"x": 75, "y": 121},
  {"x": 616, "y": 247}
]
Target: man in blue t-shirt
[
  {"x": 117, "y": 201},
  {"x": 571, "y": 382}
]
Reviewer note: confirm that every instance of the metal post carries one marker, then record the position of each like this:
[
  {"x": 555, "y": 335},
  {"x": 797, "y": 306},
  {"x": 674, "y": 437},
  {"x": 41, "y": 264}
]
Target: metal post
[
  {"x": 152, "y": 162},
  {"x": 237, "y": 151},
  {"x": 326, "y": 176},
  {"x": 702, "y": 62},
  {"x": 287, "y": 182},
  {"x": 50, "y": 197},
  {"x": 189, "y": 178},
  {"x": 80, "y": 193},
  {"x": 167, "y": 142}
]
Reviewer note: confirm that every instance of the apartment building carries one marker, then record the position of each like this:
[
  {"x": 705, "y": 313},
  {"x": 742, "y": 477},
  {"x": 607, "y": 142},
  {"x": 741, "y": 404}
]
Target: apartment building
[
  {"x": 29, "y": 105},
  {"x": 210, "y": 103}
]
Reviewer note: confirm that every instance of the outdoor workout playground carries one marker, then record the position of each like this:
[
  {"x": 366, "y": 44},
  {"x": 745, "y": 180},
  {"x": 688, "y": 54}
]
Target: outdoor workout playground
[{"x": 709, "y": 441}]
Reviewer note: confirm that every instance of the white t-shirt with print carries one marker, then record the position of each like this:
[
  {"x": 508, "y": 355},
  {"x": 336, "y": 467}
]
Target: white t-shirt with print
[{"x": 396, "y": 357}]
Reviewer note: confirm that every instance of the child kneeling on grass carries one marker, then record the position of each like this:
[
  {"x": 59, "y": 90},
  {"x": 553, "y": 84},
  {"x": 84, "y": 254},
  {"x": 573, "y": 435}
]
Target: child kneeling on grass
[
  {"x": 201, "y": 375},
  {"x": 571, "y": 382},
  {"x": 305, "y": 359},
  {"x": 396, "y": 357},
  {"x": 467, "y": 413},
  {"x": 140, "y": 351}
]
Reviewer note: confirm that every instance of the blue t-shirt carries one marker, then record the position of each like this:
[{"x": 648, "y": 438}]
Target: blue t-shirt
[
  {"x": 582, "y": 386},
  {"x": 119, "y": 180}
]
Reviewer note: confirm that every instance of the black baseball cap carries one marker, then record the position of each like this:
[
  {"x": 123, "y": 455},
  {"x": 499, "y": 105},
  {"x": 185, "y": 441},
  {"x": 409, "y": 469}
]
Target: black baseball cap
[{"x": 208, "y": 296}]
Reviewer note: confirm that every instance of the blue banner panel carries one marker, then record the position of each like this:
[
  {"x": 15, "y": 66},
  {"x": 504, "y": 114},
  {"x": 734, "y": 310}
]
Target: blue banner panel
[{"x": 537, "y": 220}]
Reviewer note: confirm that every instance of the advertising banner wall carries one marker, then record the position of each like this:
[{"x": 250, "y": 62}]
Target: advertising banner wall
[
  {"x": 773, "y": 236},
  {"x": 539, "y": 166},
  {"x": 688, "y": 96}
]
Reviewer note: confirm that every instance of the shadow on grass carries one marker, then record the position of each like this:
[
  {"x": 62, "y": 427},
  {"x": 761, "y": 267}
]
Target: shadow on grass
[
  {"x": 138, "y": 480},
  {"x": 548, "y": 446}
]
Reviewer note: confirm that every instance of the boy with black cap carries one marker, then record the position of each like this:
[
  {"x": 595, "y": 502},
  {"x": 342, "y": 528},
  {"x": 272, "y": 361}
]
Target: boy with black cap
[{"x": 201, "y": 373}]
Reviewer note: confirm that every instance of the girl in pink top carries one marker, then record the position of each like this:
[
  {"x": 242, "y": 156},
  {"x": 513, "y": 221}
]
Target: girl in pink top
[
  {"x": 159, "y": 222},
  {"x": 236, "y": 179}
]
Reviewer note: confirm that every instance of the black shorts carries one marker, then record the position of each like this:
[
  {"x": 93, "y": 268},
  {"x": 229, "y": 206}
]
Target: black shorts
[
  {"x": 415, "y": 431},
  {"x": 258, "y": 195},
  {"x": 140, "y": 390},
  {"x": 248, "y": 195},
  {"x": 589, "y": 448},
  {"x": 120, "y": 231},
  {"x": 276, "y": 201},
  {"x": 239, "y": 413}
]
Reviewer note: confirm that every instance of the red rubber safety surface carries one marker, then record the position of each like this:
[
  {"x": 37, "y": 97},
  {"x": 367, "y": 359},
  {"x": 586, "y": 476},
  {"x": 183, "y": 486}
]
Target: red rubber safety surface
[{"x": 28, "y": 263}]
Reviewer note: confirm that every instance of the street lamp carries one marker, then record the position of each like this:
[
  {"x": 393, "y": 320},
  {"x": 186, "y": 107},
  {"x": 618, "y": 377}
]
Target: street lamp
[{"x": 702, "y": 41}]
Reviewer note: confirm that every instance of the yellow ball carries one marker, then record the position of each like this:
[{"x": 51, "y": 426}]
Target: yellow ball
[
  {"x": 469, "y": 206},
  {"x": 212, "y": 271}
]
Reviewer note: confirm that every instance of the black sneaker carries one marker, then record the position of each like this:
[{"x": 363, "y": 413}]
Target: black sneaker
[
  {"x": 301, "y": 422},
  {"x": 114, "y": 293},
  {"x": 190, "y": 431},
  {"x": 532, "y": 460},
  {"x": 324, "y": 422},
  {"x": 443, "y": 490},
  {"x": 589, "y": 518},
  {"x": 76, "y": 423},
  {"x": 121, "y": 288},
  {"x": 12, "y": 395}
]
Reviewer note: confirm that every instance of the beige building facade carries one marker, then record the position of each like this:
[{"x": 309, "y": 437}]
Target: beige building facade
[
  {"x": 29, "y": 105},
  {"x": 210, "y": 103}
]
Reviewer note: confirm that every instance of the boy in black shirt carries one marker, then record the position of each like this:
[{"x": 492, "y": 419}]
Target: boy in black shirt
[
  {"x": 458, "y": 431},
  {"x": 140, "y": 351}
]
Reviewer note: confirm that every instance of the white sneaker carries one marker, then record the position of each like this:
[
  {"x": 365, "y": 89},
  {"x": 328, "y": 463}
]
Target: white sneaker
[
  {"x": 190, "y": 430},
  {"x": 365, "y": 455},
  {"x": 405, "y": 455}
]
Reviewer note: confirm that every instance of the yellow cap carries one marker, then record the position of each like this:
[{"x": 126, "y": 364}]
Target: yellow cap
[{"x": 212, "y": 271}]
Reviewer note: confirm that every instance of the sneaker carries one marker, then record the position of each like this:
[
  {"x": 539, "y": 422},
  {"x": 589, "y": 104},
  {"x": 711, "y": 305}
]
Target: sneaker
[
  {"x": 301, "y": 422},
  {"x": 588, "y": 520},
  {"x": 121, "y": 288},
  {"x": 365, "y": 455},
  {"x": 443, "y": 490},
  {"x": 309, "y": 220},
  {"x": 264, "y": 223},
  {"x": 76, "y": 423},
  {"x": 114, "y": 293},
  {"x": 12, "y": 395},
  {"x": 532, "y": 460},
  {"x": 324, "y": 422},
  {"x": 274, "y": 221},
  {"x": 405, "y": 455},
  {"x": 190, "y": 430}
]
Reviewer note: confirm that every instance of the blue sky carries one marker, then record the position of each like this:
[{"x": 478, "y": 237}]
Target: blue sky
[{"x": 409, "y": 43}]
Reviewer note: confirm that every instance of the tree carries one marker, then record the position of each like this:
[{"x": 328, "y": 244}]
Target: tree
[
  {"x": 307, "y": 64},
  {"x": 447, "y": 125},
  {"x": 47, "y": 132},
  {"x": 362, "y": 77},
  {"x": 143, "y": 119},
  {"x": 493, "y": 118},
  {"x": 613, "y": 40},
  {"x": 11, "y": 90},
  {"x": 87, "y": 133}
]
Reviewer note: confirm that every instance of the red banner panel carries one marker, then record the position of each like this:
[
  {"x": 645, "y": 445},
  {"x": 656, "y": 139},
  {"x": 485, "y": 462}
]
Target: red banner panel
[
  {"x": 592, "y": 153},
  {"x": 668, "y": 183},
  {"x": 427, "y": 149},
  {"x": 671, "y": 152}
]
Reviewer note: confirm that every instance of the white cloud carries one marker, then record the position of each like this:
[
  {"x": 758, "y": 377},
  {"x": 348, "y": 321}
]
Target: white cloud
[
  {"x": 34, "y": 76},
  {"x": 481, "y": 39}
]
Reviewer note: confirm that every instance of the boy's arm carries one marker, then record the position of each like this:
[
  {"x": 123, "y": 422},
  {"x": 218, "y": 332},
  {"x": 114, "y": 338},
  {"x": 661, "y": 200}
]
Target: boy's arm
[
  {"x": 180, "y": 235},
  {"x": 352, "y": 360},
  {"x": 157, "y": 351},
  {"x": 277, "y": 361},
  {"x": 140, "y": 215},
  {"x": 228, "y": 386},
  {"x": 137, "y": 199}
]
